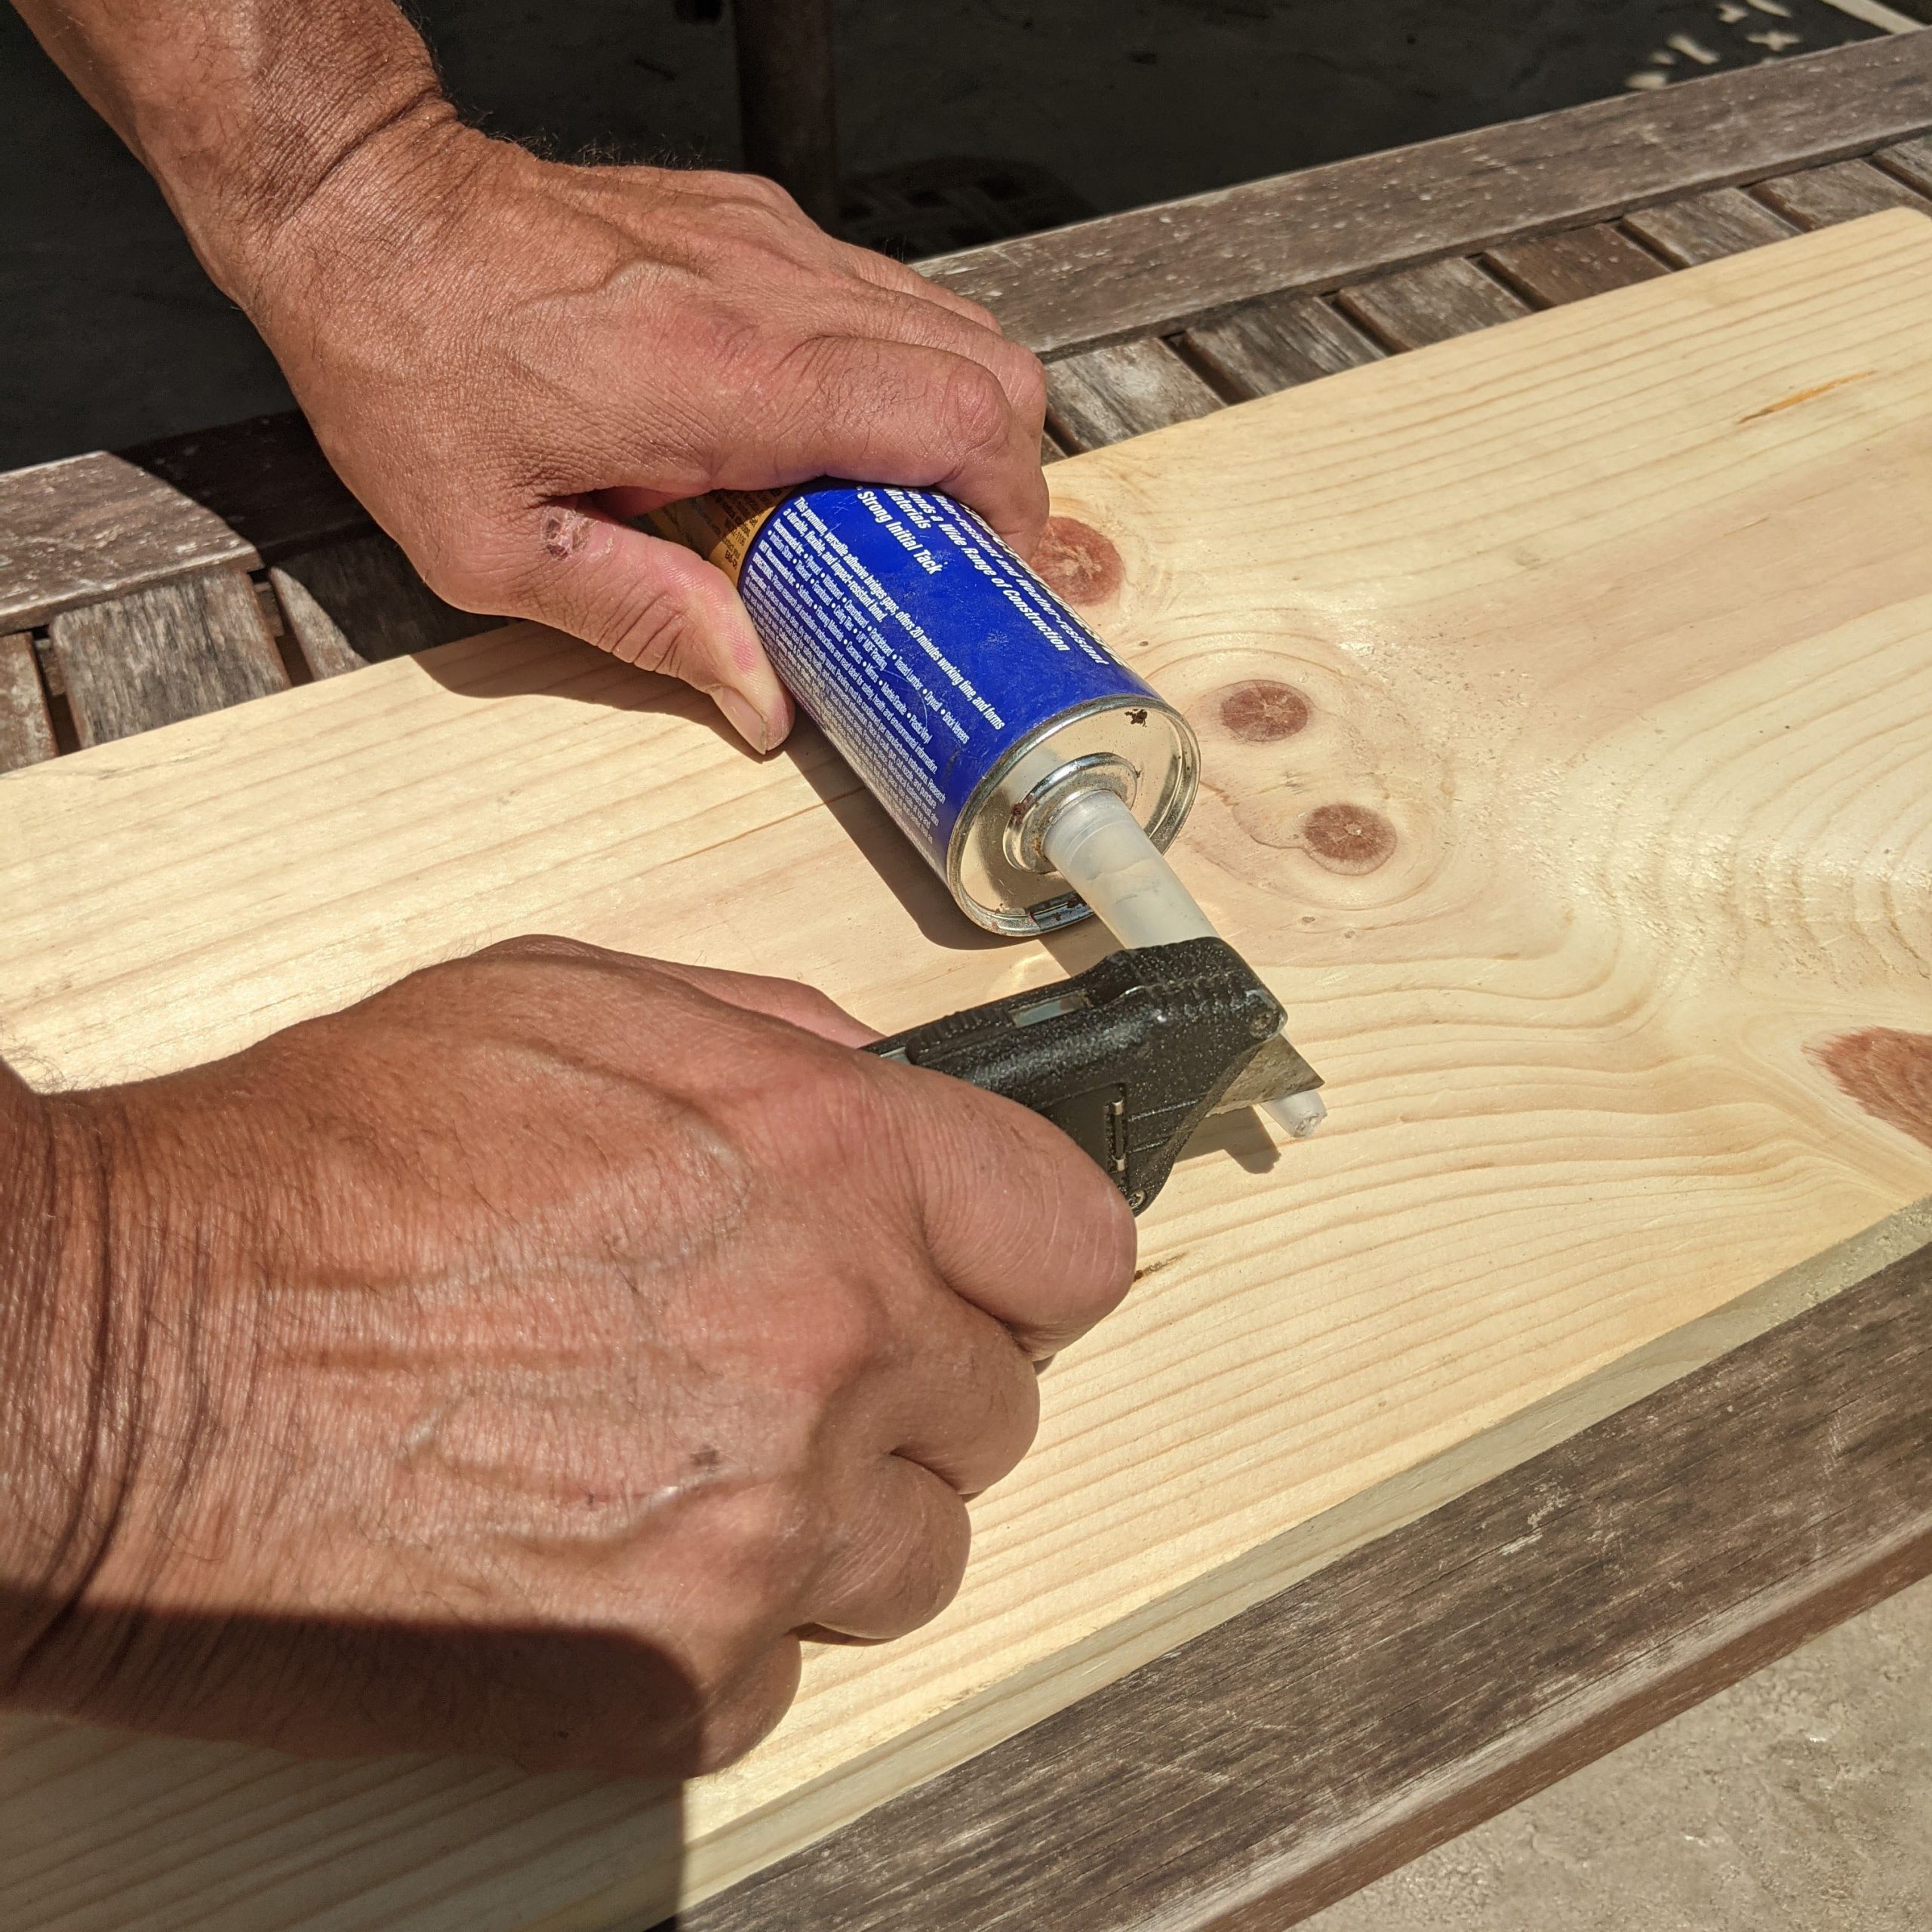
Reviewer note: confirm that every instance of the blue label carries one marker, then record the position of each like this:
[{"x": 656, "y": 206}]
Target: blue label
[{"x": 921, "y": 647}]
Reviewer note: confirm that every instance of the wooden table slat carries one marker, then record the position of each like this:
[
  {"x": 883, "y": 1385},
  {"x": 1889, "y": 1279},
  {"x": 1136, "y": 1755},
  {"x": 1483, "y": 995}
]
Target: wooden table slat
[
  {"x": 1435, "y": 1676},
  {"x": 27, "y": 731},
  {"x": 1550, "y": 269},
  {"x": 1277, "y": 343},
  {"x": 172, "y": 650},
  {"x": 1704, "y": 228},
  {"x": 1105, "y": 396},
  {"x": 93, "y": 526},
  {"x": 355, "y": 603},
  {"x": 1414, "y": 307},
  {"x": 1164, "y": 268},
  {"x": 1911, "y": 161},
  {"x": 1820, "y": 196},
  {"x": 255, "y": 493}
]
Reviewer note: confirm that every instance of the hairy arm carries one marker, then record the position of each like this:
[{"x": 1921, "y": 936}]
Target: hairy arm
[
  {"x": 524, "y": 1361},
  {"x": 241, "y": 109},
  {"x": 508, "y": 358},
  {"x": 57, "y": 1442}
]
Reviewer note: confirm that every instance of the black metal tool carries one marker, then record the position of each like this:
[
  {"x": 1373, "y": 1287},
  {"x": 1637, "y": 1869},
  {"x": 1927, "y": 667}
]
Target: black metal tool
[{"x": 1128, "y": 1057}]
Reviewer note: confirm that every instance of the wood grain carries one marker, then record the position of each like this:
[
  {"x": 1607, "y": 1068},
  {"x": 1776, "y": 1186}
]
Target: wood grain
[
  {"x": 26, "y": 732},
  {"x": 361, "y": 601},
  {"x": 1414, "y": 307},
  {"x": 1438, "y": 1674},
  {"x": 1613, "y": 619},
  {"x": 171, "y": 651},
  {"x": 1274, "y": 344},
  {"x": 1164, "y": 268},
  {"x": 1105, "y": 396},
  {"x": 1705, "y": 228},
  {"x": 1842, "y": 192},
  {"x": 1549, "y": 268}
]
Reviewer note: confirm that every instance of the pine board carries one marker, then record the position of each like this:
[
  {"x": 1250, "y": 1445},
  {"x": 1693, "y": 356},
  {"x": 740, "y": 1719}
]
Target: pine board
[{"x": 1612, "y": 806}]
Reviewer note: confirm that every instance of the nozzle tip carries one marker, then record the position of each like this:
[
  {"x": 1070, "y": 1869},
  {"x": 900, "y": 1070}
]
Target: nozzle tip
[{"x": 1297, "y": 1114}]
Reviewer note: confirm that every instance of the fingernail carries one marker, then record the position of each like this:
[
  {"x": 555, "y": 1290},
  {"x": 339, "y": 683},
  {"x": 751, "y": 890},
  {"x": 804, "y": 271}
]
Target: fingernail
[{"x": 745, "y": 720}]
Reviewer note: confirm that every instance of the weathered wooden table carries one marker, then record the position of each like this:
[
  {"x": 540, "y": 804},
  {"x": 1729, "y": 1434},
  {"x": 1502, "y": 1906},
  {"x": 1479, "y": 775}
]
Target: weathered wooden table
[{"x": 1461, "y": 1661}]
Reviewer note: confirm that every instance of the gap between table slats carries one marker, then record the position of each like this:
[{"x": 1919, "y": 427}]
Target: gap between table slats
[
  {"x": 358, "y": 602},
  {"x": 26, "y": 728}
]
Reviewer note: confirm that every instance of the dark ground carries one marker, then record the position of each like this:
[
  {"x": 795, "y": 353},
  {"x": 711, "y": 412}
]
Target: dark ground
[{"x": 109, "y": 333}]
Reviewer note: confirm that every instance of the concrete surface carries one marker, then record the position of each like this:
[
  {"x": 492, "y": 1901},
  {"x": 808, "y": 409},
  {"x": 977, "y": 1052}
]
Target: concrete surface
[
  {"x": 1798, "y": 1801},
  {"x": 109, "y": 333}
]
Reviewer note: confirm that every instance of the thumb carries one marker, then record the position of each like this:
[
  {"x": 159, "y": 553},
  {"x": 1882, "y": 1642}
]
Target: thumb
[{"x": 659, "y": 606}]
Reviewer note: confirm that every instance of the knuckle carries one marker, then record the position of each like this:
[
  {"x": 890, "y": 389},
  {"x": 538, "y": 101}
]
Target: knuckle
[
  {"x": 747, "y": 183},
  {"x": 762, "y": 1546},
  {"x": 972, "y": 408},
  {"x": 731, "y": 1724},
  {"x": 768, "y": 194},
  {"x": 849, "y": 1335},
  {"x": 911, "y": 1568},
  {"x": 802, "y": 1007},
  {"x": 777, "y": 1529},
  {"x": 1012, "y": 1417},
  {"x": 723, "y": 335},
  {"x": 828, "y": 1100},
  {"x": 538, "y": 946},
  {"x": 947, "y": 1543},
  {"x": 1026, "y": 383},
  {"x": 808, "y": 1005}
]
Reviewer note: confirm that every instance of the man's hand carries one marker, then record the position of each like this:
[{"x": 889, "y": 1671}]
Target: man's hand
[
  {"x": 505, "y": 358},
  {"x": 518, "y": 1362}
]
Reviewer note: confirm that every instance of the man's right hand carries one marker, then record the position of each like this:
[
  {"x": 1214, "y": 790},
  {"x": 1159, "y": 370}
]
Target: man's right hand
[{"x": 520, "y": 1361}]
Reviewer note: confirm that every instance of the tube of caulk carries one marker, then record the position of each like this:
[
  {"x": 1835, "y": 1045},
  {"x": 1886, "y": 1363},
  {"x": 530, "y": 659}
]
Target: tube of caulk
[{"x": 1095, "y": 843}]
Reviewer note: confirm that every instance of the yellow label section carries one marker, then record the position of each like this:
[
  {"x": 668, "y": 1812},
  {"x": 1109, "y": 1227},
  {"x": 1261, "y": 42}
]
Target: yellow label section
[{"x": 720, "y": 526}]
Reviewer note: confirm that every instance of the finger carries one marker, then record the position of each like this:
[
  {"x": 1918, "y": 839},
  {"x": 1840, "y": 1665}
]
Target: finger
[
  {"x": 749, "y": 1711},
  {"x": 654, "y": 603},
  {"x": 900, "y": 1556},
  {"x": 968, "y": 1401},
  {"x": 890, "y": 412},
  {"x": 884, "y": 272},
  {"x": 897, "y": 316},
  {"x": 1018, "y": 1220},
  {"x": 790, "y": 1000}
]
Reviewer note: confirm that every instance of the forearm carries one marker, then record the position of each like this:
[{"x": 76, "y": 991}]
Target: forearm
[
  {"x": 241, "y": 109},
  {"x": 507, "y": 359},
  {"x": 59, "y": 1448}
]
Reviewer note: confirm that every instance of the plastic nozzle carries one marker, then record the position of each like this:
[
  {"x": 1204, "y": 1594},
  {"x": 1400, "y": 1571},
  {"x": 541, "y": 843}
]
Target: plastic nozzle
[{"x": 1095, "y": 843}]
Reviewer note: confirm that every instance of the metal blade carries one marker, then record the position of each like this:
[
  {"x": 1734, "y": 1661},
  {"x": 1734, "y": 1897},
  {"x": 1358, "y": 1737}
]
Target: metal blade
[{"x": 1275, "y": 1072}]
